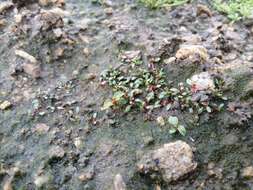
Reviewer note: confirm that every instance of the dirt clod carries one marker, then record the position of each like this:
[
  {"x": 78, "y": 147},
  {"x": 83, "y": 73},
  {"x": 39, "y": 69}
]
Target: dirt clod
[
  {"x": 190, "y": 51},
  {"x": 202, "y": 9}
]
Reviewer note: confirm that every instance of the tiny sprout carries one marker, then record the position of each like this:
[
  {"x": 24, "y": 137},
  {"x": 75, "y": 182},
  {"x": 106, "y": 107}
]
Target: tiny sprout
[{"x": 176, "y": 126}]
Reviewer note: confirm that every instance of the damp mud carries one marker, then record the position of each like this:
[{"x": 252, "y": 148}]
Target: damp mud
[{"x": 53, "y": 132}]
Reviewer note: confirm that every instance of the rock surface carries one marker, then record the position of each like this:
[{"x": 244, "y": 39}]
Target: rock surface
[
  {"x": 119, "y": 183},
  {"x": 171, "y": 161}
]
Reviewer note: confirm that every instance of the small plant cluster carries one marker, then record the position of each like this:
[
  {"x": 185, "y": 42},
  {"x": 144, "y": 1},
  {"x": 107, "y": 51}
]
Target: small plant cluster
[
  {"x": 174, "y": 124},
  {"x": 154, "y": 4},
  {"x": 135, "y": 87},
  {"x": 235, "y": 9},
  {"x": 143, "y": 89}
]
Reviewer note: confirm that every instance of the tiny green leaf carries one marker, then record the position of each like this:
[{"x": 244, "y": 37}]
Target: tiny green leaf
[
  {"x": 163, "y": 95},
  {"x": 118, "y": 95},
  {"x": 224, "y": 98},
  {"x": 189, "y": 82},
  {"x": 208, "y": 109},
  {"x": 150, "y": 96},
  {"x": 128, "y": 109},
  {"x": 174, "y": 90},
  {"x": 168, "y": 107},
  {"x": 172, "y": 130},
  {"x": 181, "y": 129},
  {"x": 220, "y": 107}
]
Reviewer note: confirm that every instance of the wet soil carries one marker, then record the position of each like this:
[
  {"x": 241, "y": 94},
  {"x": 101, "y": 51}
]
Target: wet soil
[{"x": 55, "y": 130}]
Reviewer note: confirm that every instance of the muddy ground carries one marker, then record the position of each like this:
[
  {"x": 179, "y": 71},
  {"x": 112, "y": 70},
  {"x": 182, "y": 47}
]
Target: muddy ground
[{"x": 54, "y": 135}]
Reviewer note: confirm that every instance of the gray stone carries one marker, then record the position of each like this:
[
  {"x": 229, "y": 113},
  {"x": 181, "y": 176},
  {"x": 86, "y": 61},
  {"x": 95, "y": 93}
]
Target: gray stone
[{"x": 170, "y": 162}]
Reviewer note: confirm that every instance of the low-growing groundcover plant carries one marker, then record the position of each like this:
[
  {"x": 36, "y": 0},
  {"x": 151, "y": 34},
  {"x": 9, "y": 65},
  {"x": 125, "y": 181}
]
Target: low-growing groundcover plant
[
  {"x": 153, "y": 4},
  {"x": 235, "y": 9},
  {"x": 146, "y": 89}
]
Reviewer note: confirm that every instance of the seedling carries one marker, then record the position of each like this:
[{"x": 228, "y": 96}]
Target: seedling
[{"x": 175, "y": 126}]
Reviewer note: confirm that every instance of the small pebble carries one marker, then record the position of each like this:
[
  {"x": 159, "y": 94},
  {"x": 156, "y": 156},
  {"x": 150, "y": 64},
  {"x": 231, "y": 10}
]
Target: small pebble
[{"x": 5, "y": 105}]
